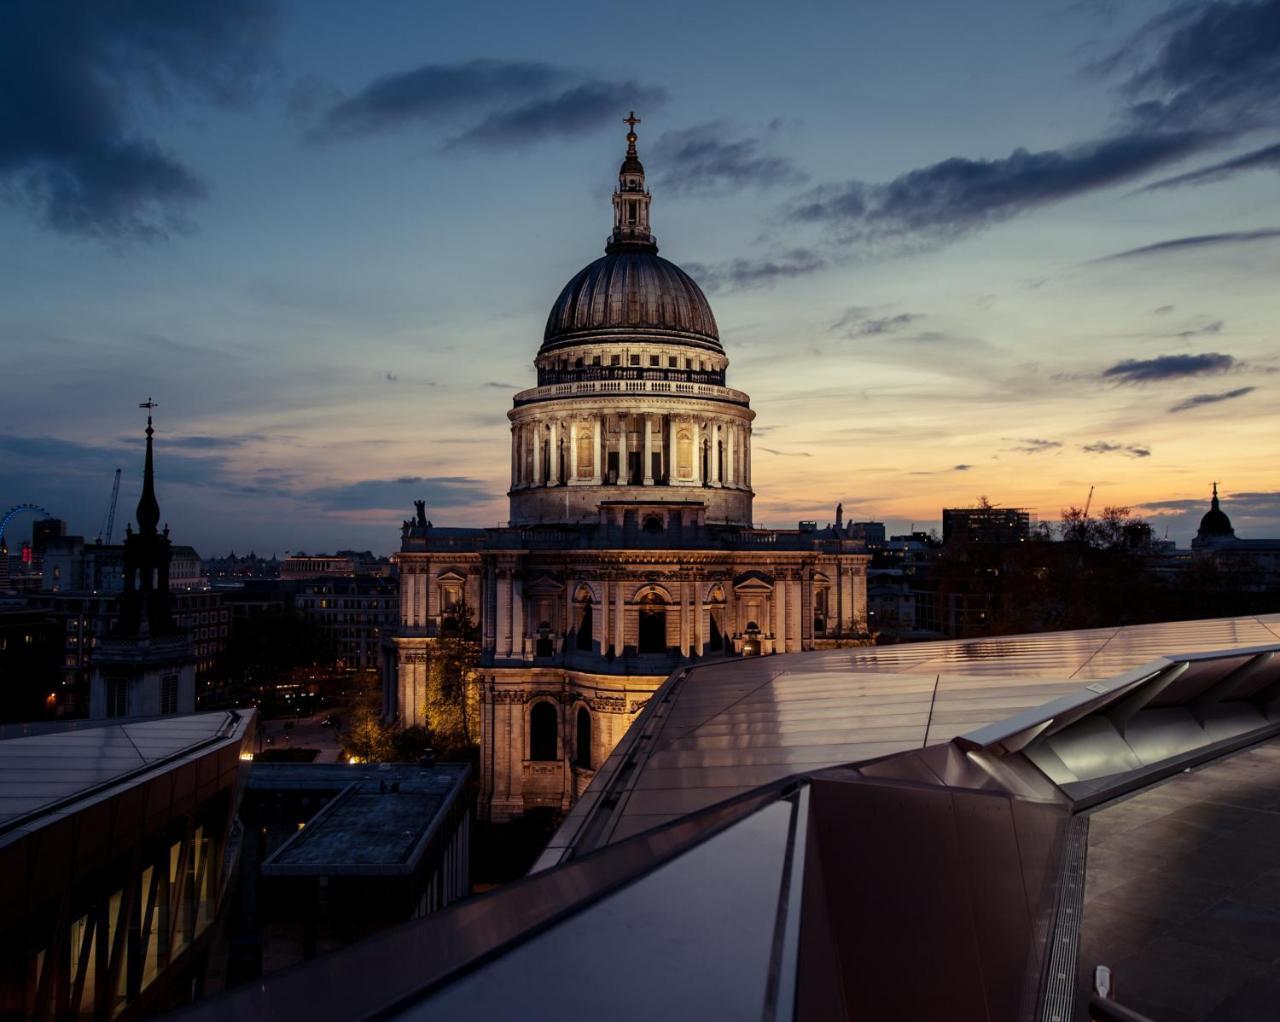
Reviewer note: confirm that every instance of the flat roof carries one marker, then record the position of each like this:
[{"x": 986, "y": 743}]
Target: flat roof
[
  {"x": 1182, "y": 896},
  {"x": 719, "y": 730},
  {"x": 378, "y": 823},
  {"x": 48, "y": 765}
]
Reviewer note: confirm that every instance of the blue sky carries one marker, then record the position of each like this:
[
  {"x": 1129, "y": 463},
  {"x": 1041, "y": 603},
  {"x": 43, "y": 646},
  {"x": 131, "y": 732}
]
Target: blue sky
[{"x": 1001, "y": 249}]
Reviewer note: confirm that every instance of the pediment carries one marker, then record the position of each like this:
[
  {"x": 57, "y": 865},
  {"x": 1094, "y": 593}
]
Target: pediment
[
  {"x": 753, "y": 582},
  {"x": 544, "y": 585}
]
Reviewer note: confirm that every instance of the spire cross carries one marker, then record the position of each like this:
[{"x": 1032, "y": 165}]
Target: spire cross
[
  {"x": 631, "y": 121},
  {"x": 148, "y": 404}
]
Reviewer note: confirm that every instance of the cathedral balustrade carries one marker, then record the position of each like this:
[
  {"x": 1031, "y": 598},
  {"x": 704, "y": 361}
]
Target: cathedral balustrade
[{"x": 709, "y": 391}]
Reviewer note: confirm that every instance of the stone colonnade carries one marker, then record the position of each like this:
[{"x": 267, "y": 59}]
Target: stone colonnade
[{"x": 671, "y": 449}]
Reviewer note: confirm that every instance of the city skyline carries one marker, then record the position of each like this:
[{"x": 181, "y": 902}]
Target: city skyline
[{"x": 326, "y": 244}]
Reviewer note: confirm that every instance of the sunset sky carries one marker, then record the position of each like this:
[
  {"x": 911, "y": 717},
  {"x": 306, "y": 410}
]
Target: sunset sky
[{"x": 1004, "y": 249}]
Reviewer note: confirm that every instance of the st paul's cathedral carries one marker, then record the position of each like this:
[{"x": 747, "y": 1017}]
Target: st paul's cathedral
[{"x": 630, "y": 549}]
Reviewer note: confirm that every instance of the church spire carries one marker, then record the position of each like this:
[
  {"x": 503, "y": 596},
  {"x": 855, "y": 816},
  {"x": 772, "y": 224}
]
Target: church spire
[
  {"x": 1214, "y": 503},
  {"x": 631, "y": 201},
  {"x": 148, "y": 512}
]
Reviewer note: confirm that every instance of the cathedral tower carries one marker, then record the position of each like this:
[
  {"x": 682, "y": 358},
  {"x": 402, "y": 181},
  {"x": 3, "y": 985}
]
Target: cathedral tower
[{"x": 631, "y": 403}]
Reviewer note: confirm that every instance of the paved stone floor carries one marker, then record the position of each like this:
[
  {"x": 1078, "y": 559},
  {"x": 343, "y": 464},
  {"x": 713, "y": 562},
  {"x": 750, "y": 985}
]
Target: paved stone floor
[{"x": 1182, "y": 894}]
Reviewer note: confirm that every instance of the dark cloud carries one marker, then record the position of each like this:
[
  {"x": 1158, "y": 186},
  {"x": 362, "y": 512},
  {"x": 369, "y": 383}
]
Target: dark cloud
[
  {"x": 1163, "y": 310},
  {"x": 499, "y": 385},
  {"x": 1196, "y": 78},
  {"x": 575, "y": 111},
  {"x": 391, "y": 377},
  {"x": 1259, "y": 159},
  {"x": 437, "y": 91},
  {"x": 960, "y": 195},
  {"x": 1104, "y": 447},
  {"x": 1214, "y": 67},
  {"x": 1196, "y": 400},
  {"x": 961, "y": 468},
  {"x": 786, "y": 454},
  {"x": 75, "y": 77},
  {"x": 485, "y": 103},
  {"x": 379, "y": 494},
  {"x": 706, "y": 158},
  {"x": 1194, "y": 242},
  {"x": 207, "y": 443},
  {"x": 1168, "y": 367},
  {"x": 749, "y": 273},
  {"x": 1034, "y": 445}
]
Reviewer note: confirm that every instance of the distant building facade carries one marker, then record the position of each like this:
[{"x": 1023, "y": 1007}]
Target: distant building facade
[
  {"x": 995, "y": 525},
  {"x": 30, "y": 659},
  {"x": 631, "y": 548},
  {"x": 344, "y": 563},
  {"x": 354, "y": 616},
  {"x": 69, "y": 564}
]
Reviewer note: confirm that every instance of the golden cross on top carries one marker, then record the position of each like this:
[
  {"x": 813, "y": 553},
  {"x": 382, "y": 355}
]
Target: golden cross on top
[{"x": 631, "y": 121}]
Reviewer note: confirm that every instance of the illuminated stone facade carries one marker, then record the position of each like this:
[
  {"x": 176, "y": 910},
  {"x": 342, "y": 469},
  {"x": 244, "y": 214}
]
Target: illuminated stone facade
[{"x": 630, "y": 550}]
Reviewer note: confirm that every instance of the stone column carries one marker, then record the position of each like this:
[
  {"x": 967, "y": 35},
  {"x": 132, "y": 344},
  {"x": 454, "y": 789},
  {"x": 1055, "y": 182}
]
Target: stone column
[
  {"x": 569, "y": 631},
  {"x": 746, "y": 457},
  {"x": 647, "y": 426},
  {"x": 515, "y": 450},
  {"x": 619, "y": 634},
  {"x": 682, "y": 625},
  {"x": 488, "y": 611},
  {"x": 517, "y": 616},
  {"x": 504, "y": 616},
  {"x": 716, "y": 443},
  {"x": 699, "y": 637},
  {"x": 779, "y": 614},
  {"x": 555, "y": 452},
  {"x": 537, "y": 453},
  {"x": 600, "y": 618},
  {"x": 622, "y": 448},
  {"x": 697, "y": 454},
  {"x": 730, "y": 475},
  {"x": 573, "y": 451},
  {"x": 670, "y": 463},
  {"x": 598, "y": 471},
  {"x": 795, "y": 619}
]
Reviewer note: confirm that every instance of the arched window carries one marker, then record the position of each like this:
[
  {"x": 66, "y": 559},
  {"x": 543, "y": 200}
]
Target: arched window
[
  {"x": 542, "y": 731},
  {"x": 653, "y": 624},
  {"x": 582, "y": 748}
]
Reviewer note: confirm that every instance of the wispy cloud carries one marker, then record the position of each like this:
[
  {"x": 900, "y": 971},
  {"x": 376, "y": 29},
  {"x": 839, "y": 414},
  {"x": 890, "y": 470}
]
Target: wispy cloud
[
  {"x": 1105, "y": 447},
  {"x": 856, "y": 322},
  {"x": 1035, "y": 445},
  {"x": 753, "y": 273},
  {"x": 1168, "y": 367},
  {"x": 786, "y": 454},
  {"x": 1198, "y": 400},
  {"x": 1193, "y": 243},
  {"x": 1259, "y": 159}
]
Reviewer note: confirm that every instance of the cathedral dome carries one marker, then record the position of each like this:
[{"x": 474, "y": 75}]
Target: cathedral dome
[
  {"x": 631, "y": 292},
  {"x": 1215, "y": 521}
]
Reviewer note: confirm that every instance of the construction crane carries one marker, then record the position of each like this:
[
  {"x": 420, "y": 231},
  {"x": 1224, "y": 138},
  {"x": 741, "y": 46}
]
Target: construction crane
[
  {"x": 1087, "y": 502},
  {"x": 104, "y": 535}
]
